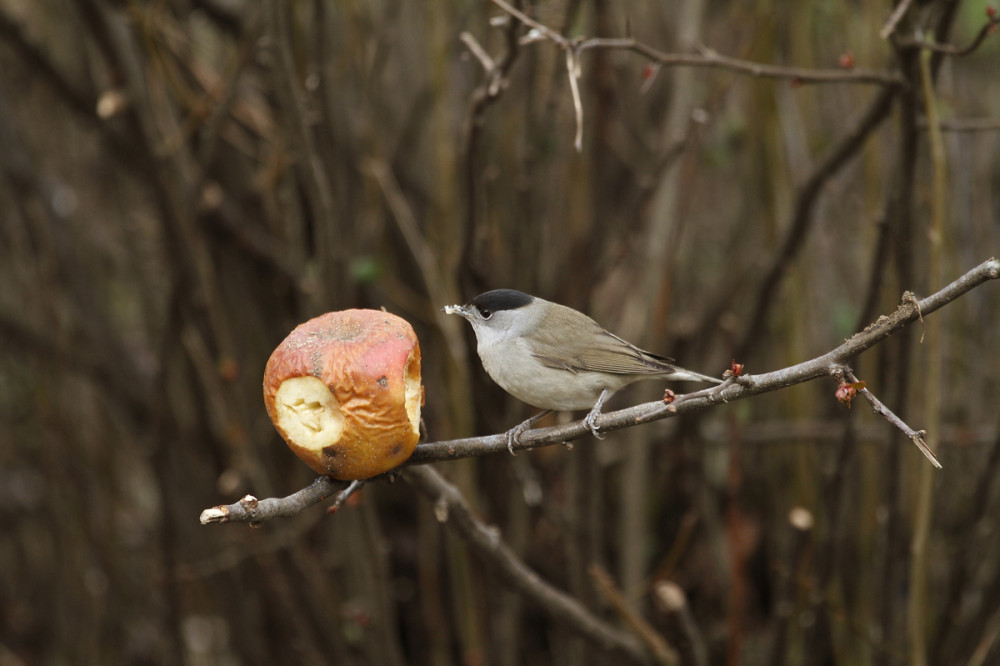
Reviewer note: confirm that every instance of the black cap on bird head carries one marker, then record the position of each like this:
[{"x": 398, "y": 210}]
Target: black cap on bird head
[{"x": 501, "y": 299}]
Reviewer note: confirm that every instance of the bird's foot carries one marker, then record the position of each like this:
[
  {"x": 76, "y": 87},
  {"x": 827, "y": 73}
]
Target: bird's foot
[
  {"x": 514, "y": 434},
  {"x": 591, "y": 419}
]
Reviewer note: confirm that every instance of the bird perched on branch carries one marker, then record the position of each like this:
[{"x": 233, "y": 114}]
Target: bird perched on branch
[{"x": 556, "y": 358}]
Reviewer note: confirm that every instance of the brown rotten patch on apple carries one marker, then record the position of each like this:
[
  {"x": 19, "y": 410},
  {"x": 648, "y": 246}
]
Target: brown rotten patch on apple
[{"x": 344, "y": 392}]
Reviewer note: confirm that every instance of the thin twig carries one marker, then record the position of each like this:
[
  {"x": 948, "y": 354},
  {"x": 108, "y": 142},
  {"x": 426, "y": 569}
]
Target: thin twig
[
  {"x": 707, "y": 57},
  {"x": 894, "y": 18},
  {"x": 494, "y": 72},
  {"x": 916, "y": 436},
  {"x": 476, "y": 49},
  {"x": 572, "y": 62},
  {"x": 573, "y": 69},
  {"x": 543, "y": 29},
  {"x": 711, "y": 59},
  {"x": 344, "y": 495},
  {"x": 950, "y": 49},
  {"x": 252, "y": 510},
  {"x": 650, "y": 636}
]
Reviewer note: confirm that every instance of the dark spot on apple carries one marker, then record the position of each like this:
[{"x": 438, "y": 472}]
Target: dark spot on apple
[
  {"x": 382, "y": 381},
  {"x": 330, "y": 451},
  {"x": 396, "y": 449}
]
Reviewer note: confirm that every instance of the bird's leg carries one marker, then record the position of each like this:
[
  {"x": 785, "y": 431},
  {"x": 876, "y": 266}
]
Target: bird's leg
[
  {"x": 515, "y": 433},
  {"x": 594, "y": 413}
]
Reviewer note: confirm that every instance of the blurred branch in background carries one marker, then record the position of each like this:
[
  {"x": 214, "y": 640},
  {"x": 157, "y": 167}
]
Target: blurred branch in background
[{"x": 181, "y": 183}]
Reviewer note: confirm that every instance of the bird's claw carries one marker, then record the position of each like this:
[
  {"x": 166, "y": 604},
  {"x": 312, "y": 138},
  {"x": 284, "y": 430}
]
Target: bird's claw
[
  {"x": 514, "y": 434},
  {"x": 591, "y": 419},
  {"x": 590, "y": 422}
]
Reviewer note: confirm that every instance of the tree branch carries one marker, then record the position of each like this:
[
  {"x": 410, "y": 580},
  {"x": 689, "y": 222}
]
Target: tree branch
[
  {"x": 252, "y": 510},
  {"x": 711, "y": 59},
  {"x": 894, "y": 18},
  {"x": 985, "y": 31},
  {"x": 706, "y": 58}
]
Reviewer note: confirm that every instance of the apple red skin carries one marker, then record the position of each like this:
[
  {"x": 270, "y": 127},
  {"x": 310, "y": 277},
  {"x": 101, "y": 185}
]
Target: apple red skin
[{"x": 363, "y": 357}]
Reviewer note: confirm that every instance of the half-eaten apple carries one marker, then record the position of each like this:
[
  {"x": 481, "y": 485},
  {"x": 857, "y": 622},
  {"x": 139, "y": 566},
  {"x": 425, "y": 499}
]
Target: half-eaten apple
[{"x": 344, "y": 392}]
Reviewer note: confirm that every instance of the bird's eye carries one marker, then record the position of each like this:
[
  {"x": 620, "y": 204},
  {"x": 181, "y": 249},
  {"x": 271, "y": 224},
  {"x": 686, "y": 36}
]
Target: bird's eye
[{"x": 484, "y": 313}]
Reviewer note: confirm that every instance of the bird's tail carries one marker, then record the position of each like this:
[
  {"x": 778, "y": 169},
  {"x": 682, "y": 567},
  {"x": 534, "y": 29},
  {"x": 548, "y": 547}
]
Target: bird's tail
[
  {"x": 682, "y": 375},
  {"x": 665, "y": 367}
]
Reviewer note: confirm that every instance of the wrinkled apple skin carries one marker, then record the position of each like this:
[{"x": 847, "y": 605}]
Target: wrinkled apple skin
[{"x": 370, "y": 361}]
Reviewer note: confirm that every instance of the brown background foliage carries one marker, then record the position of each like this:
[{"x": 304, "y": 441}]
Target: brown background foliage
[{"x": 183, "y": 181}]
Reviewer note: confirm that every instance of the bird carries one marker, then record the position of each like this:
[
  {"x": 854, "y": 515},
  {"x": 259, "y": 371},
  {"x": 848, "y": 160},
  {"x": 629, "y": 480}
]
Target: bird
[{"x": 555, "y": 358}]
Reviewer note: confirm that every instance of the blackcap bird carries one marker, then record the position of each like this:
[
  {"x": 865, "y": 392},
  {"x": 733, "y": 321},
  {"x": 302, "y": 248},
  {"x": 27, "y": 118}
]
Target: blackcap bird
[{"x": 556, "y": 358}]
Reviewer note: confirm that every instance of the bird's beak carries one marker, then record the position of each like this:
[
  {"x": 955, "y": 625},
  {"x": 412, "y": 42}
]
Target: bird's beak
[{"x": 459, "y": 310}]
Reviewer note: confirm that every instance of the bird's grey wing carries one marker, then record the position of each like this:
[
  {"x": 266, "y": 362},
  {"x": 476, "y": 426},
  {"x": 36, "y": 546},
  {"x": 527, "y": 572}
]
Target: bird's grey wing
[
  {"x": 601, "y": 352},
  {"x": 612, "y": 354}
]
